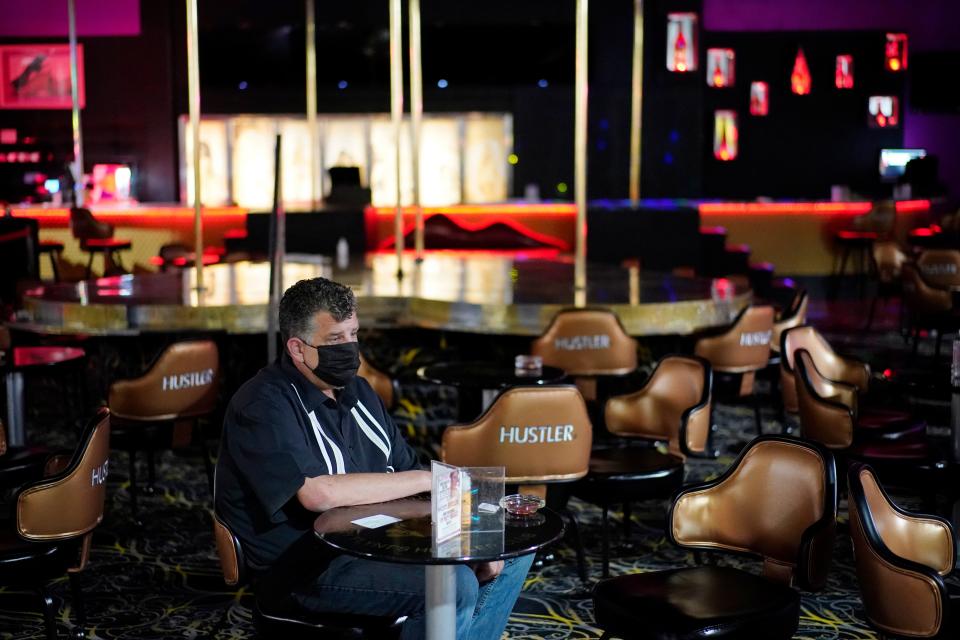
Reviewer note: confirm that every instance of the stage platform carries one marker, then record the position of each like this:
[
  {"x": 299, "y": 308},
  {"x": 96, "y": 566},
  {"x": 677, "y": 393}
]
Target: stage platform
[{"x": 474, "y": 292}]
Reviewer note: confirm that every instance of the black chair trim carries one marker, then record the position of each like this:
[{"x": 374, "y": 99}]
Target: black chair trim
[{"x": 801, "y": 371}]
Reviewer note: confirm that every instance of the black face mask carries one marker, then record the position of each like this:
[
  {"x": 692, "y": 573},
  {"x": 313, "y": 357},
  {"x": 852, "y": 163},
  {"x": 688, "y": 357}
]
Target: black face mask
[{"x": 337, "y": 363}]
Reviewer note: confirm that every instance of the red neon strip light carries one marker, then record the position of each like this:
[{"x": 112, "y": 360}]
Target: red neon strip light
[
  {"x": 143, "y": 216},
  {"x": 560, "y": 209},
  {"x": 908, "y": 206}
]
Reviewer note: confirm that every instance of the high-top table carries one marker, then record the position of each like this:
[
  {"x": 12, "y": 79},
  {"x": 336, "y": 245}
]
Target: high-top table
[
  {"x": 478, "y": 383},
  {"x": 410, "y": 541}
]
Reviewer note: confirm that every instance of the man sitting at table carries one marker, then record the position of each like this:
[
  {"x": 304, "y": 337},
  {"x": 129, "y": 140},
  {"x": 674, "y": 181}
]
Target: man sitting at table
[{"x": 305, "y": 435}]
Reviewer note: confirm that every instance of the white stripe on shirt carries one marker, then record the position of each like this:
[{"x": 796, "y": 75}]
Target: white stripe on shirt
[
  {"x": 373, "y": 437},
  {"x": 376, "y": 424}
]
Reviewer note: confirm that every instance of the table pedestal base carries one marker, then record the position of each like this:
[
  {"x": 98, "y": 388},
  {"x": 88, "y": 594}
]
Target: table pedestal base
[
  {"x": 15, "y": 420},
  {"x": 441, "y": 603}
]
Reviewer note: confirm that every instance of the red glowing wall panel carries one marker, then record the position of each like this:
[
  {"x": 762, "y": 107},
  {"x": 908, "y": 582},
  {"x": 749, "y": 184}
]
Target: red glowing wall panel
[{"x": 37, "y": 76}]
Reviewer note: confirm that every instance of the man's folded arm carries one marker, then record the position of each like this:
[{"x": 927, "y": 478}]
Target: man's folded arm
[{"x": 328, "y": 491}]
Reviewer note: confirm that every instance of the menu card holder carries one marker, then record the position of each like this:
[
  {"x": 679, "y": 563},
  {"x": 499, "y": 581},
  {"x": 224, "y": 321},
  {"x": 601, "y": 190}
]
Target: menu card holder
[{"x": 446, "y": 501}]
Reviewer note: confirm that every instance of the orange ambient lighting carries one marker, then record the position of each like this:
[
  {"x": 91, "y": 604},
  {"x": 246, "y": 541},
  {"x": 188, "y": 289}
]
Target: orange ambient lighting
[{"x": 146, "y": 216}]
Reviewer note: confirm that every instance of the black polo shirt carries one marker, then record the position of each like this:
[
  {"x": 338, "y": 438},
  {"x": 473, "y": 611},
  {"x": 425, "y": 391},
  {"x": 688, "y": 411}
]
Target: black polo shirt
[{"x": 279, "y": 429}]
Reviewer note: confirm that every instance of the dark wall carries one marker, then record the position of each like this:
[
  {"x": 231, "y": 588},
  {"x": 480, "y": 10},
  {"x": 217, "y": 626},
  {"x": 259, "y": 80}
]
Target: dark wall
[
  {"x": 806, "y": 143},
  {"x": 129, "y": 114}
]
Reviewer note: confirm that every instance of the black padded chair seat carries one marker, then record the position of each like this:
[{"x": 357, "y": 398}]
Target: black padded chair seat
[
  {"x": 22, "y": 561},
  {"x": 288, "y": 620},
  {"x": 20, "y": 465},
  {"x": 703, "y": 602},
  {"x": 631, "y": 472}
]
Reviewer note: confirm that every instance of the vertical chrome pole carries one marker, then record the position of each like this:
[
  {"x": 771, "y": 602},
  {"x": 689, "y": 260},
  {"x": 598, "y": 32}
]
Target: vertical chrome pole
[
  {"x": 193, "y": 84},
  {"x": 315, "y": 168},
  {"x": 396, "y": 116},
  {"x": 580, "y": 149},
  {"x": 416, "y": 115},
  {"x": 636, "y": 102},
  {"x": 75, "y": 100}
]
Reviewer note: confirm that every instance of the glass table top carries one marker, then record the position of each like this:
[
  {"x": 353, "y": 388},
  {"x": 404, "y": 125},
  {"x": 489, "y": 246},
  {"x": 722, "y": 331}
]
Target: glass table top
[{"x": 409, "y": 541}]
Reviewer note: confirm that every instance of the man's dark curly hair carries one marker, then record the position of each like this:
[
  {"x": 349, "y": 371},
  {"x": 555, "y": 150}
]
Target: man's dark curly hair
[{"x": 306, "y": 298}]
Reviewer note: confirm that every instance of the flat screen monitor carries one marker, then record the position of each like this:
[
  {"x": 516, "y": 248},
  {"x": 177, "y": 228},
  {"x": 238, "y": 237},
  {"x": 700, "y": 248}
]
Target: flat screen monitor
[{"x": 893, "y": 162}]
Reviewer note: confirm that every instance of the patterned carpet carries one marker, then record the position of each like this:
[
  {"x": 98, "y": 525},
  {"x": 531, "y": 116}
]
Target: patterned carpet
[{"x": 164, "y": 581}]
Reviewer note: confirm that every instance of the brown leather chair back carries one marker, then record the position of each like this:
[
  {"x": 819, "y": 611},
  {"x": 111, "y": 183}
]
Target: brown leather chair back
[
  {"x": 540, "y": 434},
  {"x": 84, "y": 226},
  {"x": 587, "y": 342},
  {"x": 900, "y": 560},
  {"x": 795, "y": 316},
  {"x": 382, "y": 383},
  {"x": 889, "y": 260},
  {"x": 828, "y": 409},
  {"x": 183, "y": 382},
  {"x": 828, "y": 362},
  {"x": 940, "y": 268},
  {"x": 742, "y": 348},
  {"x": 673, "y": 405},
  {"x": 69, "y": 504},
  {"x": 778, "y": 500},
  {"x": 229, "y": 552},
  {"x": 919, "y": 297}
]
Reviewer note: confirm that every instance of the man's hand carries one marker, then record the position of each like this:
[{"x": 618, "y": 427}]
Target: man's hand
[{"x": 487, "y": 571}]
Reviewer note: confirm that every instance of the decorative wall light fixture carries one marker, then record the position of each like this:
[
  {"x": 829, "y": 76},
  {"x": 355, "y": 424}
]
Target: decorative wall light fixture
[
  {"x": 682, "y": 42},
  {"x": 843, "y": 77},
  {"x": 720, "y": 68},
  {"x": 759, "y": 98},
  {"x": 884, "y": 111},
  {"x": 895, "y": 52},
  {"x": 800, "y": 78},
  {"x": 725, "y": 135}
]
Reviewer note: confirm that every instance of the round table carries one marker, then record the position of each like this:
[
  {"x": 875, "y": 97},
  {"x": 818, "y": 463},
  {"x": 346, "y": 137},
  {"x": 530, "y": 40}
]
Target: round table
[
  {"x": 410, "y": 541},
  {"x": 480, "y": 382},
  {"x": 23, "y": 359}
]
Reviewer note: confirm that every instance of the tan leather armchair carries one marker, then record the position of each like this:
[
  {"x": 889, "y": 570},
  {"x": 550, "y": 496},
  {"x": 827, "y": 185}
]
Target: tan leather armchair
[
  {"x": 832, "y": 365},
  {"x": 902, "y": 560},
  {"x": 673, "y": 407},
  {"x": 383, "y": 385},
  {"x": 54, "y": 520},
  {"x": 161, "y": 408},
  {"x": 778, "y": 502},
  {"x": 940, "y": 268},
  {"x": 280, "y": 617},
  {"x": 540, "y": 435},
  {"x": 742, "y": 350},
  {"x": 795, "y": 316},
  {"x": 827, "y": 408},
  {"x": 587, "y": 343},
  {"x": 829, "y": 413}
]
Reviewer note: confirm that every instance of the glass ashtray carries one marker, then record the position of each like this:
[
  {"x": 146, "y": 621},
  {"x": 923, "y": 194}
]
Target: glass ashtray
[{"x": 521, "y": 505}]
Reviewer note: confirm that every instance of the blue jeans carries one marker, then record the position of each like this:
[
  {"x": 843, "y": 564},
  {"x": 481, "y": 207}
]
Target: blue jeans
[{"x": 354, "y": 585}]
